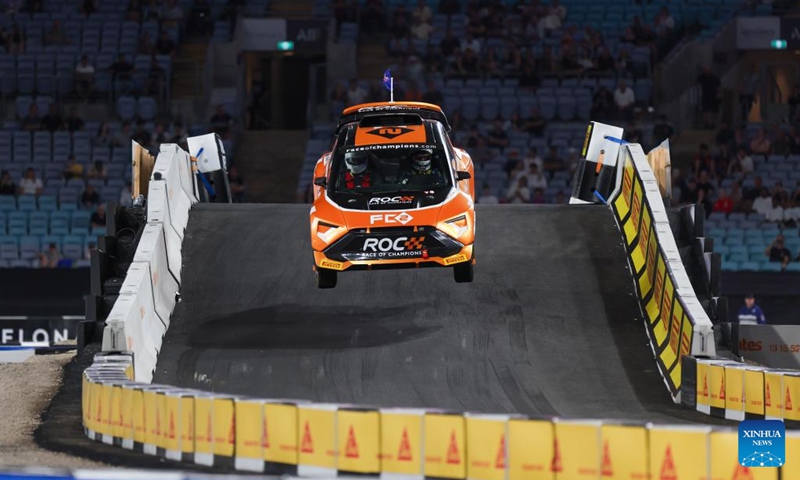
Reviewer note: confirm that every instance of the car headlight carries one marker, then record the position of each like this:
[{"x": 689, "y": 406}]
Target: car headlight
[
  {"x": 459, "y": 225},
  {"x": 327, "y": 231}
]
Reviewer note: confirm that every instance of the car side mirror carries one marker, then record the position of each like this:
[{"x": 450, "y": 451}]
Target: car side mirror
[
  {"x": 321, "y": 182},
  {"x": 462, "y": 175}
]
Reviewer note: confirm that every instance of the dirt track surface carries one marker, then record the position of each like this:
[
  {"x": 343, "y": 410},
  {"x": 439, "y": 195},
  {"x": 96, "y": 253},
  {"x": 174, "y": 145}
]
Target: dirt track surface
[{"x": 25, "y": 391}]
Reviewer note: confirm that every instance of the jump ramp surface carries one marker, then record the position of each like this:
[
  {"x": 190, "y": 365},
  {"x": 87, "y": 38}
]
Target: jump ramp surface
[{"x": 550, "y": 326}]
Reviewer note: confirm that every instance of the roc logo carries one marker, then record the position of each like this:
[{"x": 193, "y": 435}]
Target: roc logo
[
  {"x": 762, "y": 443},
  {"x": 390, "y": 132}
]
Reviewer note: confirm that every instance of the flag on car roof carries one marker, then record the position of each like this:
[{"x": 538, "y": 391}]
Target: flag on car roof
[{"x": 387, "y": 79}]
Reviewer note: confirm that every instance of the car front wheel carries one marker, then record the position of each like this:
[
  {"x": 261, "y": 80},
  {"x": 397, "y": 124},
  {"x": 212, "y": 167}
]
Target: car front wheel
[
  {"x": 326, "y": 278},
  {"x": 463, "y": 272}
]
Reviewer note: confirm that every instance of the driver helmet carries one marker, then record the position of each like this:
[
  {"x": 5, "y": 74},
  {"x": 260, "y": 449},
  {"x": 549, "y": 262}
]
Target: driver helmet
[
  {"x": 356, "y": 162},
  {"x": 422, "y": 160}
]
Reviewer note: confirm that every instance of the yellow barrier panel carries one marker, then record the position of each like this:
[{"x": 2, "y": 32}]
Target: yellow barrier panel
[
  {"x": 773, "y": 395},
  {"x": 625, "y": 452},
  {"x": 187, "y": 426},
  {"x": 151, "y": 421},
  {"x": 631, "y": 226},
  {"x": 161, "y": 420},
  {"x": 103, "y": 400},
  {"x": 579, "y": 449},
  {"x": 224, "y": 427},
  {"x": 172, "y": 424},
  {"x": 725, "y": 464},
  {"x": 622, "y": 204},
  {"x": 317, "y": 436},
  {"x": 678, "y": 453},
  {"x": 716, "y": 385},
  {"x": 203, "y": 430},
  {"x": 486, "y": 447},
  {"x": 531, "y": 450},
  {"x": 92, "y": 397},
  {"x": 703, "y": 395},
  {"x": 791, "y": 396},
  {"x": 445, "y": 454},
  {"x": 791, "y": 467},
  {"x": 685, "y": 349},
  {"x": 661, "y": 329},
  {"x": 127, "y": 410},
  {"x": 646, "y": 280},
  {"x": 281, "y": 427},
  {"x": 139, "y": 419},
  {"x": 85, "y": 402},
  {"x": 357, "y": 441},
  {"x": 250, "y": 435},
  {"x": 754, "y": 391},
  {"x": 115, "y": 415},
  {"x": 639, "y": 253},
  {"x": 106, "y": 419},
  {"x": 401, "y": 441},
  {"x": 734, "y": 392},
  {"x": 653, "y": 307}
]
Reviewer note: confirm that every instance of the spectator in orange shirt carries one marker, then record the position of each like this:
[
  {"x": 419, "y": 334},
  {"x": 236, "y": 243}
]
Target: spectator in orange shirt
[{"x": 723, "y": 203}]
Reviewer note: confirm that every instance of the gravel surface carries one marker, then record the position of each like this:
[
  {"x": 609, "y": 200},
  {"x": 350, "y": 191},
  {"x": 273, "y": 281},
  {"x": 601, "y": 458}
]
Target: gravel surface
[{"x": 25, "y": 391}]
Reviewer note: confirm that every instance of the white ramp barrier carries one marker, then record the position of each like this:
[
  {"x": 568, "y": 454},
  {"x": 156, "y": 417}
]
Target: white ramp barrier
[{"x": 140, "y": 317}]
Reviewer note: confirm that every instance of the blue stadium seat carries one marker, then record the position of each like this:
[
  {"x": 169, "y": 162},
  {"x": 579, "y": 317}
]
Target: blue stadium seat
[
  {"x": 29, "y": 247},
  {"x": 749, "y": 266},
  {"x": 126, "y": 107}
]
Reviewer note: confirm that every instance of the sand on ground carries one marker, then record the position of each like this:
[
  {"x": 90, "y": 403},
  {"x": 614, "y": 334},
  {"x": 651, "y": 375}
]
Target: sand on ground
[{"x": 25, "y": 391}]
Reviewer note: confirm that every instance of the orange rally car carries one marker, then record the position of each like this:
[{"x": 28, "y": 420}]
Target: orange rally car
[{"x": 393, "y": 193}]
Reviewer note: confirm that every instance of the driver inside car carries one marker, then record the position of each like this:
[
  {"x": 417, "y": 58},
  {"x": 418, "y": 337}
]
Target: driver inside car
[
  {"x": 357, "y": 174},
  {"x": 422, "y": 172}
]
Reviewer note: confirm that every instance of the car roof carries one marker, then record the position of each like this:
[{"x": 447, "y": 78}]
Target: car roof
[{"x": 356, "y": 113}]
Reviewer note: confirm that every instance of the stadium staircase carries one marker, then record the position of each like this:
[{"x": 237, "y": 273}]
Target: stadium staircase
[
  {"x": 372, "y": 60},
  {"x": 270, "y": 162},
  {"x": 187, "y": 73},
  {"x": 291, "y": 8}
]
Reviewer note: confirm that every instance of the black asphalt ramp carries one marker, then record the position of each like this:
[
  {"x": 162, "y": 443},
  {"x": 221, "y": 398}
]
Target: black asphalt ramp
[{"x": 549, "y": 326}]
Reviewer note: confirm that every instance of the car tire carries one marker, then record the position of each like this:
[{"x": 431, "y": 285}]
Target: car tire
[
  {"x": 326, "y": 278},
  {"x": 463, "y": 272}
]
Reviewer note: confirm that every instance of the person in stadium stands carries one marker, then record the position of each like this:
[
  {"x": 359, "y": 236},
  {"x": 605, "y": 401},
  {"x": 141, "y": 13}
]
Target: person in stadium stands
[
  {"x": 98, "y": 170},
  {"x": 103, "y": 137},
  {"x": 554, "y": 162},
  {"x": 747, "y": 94},
  {"x": 32, "y": 122},
  {"x": 602, "y": 104},
  {"x": 52, "y": 121},
  {"x": 122, "y": 137},
  {"x": 780, "y": 143},
  {"x": 145, "y": 46},
  {"x": 72, "y": 169},
  {"x": 750, "y": 313},
  {"x": 487, "y": 197},
  {"x": 133, "y": 12},
  {"x": 99, "y": 216},
  {"x": 50, "y": 258},
  {"x": 775, "y": 212},
  {"x": 125, "y": 195},
  {"x": 355, "y": 93},
  {"x": 794, "y": 103},
  {"x": 662, "y": 130},
  {"x": 760, "y": 145},
  {"x": 535, "y": 124},
  {"x": 497, "y": 136},
  {"x": 73, "y": 121},
  {"x": 56, "y": 35},
  {"x": 164, "y": 45},
  {"x": 519, "y": 192},
  {"x": 7, "y": 185},
  {"x": 633, "y": 134},
  {"x": 422, "y": 171},
  {"x": 724, "y": 203},
  {"x": 30, "y": 184},
  {"x": 763, "y": 203},
  {"x": 90, "y": 197},
  {"x": 236, "y": 182},
  {"x": 538, "y": 196},
  {"x": 171, "y": 14},
  {"x": 710, "y": 95},
  {"x": 624, "y": 99},
  {"x": 744, "y": 163},
  {"x": 88, "y": 7},
  {"x": 221, "y": 122},
  {"x": 432, "y": 94},
  {"x": 535, "y": 177},
  {"x": 777, "y": 252}
]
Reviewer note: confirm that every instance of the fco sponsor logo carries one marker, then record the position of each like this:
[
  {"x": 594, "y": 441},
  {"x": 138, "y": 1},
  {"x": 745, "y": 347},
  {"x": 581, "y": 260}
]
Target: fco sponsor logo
[{"x": 762, "y": 443}]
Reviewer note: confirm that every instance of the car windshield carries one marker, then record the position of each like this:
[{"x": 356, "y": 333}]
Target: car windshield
[{"x": 387, "y": 168}]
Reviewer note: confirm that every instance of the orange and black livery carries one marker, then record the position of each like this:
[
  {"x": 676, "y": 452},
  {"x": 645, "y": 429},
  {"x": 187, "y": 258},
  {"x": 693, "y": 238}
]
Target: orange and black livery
[{"x": 393, "y": 193}]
